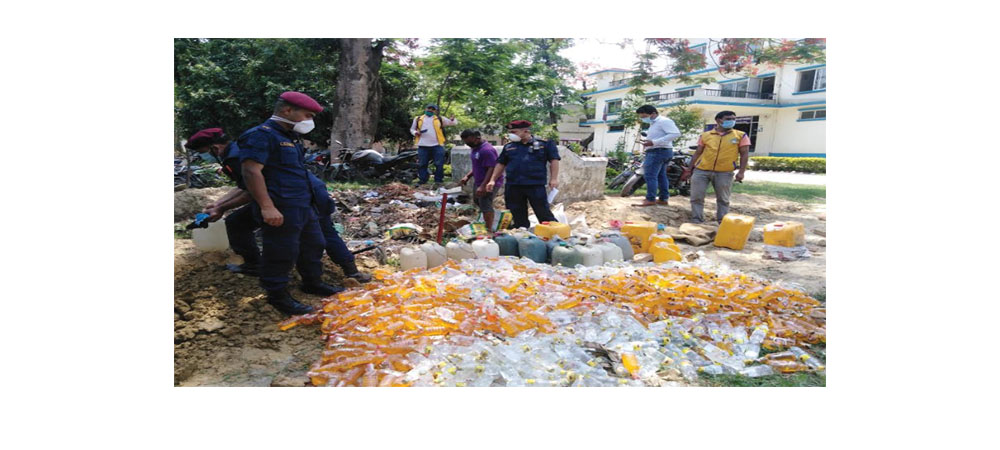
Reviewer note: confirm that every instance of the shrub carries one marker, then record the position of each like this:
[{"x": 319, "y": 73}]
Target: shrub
[
  {"x": 610, "y": 174},
  {"x": 781, "y": 164}
]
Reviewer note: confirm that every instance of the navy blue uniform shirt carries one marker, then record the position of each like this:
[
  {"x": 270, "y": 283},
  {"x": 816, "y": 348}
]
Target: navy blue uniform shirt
[
  {"x": 283, "y": 157},
  {"x": 231, "y": 165},
  {"x": 526, "y": 163}
]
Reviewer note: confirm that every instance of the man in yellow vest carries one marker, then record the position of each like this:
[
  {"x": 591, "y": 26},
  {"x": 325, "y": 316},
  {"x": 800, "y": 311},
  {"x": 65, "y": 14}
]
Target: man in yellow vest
[
  {"x": 428, "y": 133},
  {"x": 714, "y": 162}
]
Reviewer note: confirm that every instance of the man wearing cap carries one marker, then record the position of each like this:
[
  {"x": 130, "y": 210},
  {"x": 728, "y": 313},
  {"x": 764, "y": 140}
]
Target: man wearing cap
[
  {"x": 213, "y": 144},
  {"x": 524, "y": 160},
  {"x": 428, "y": 133},
  {"x": 273, "y": 167}
]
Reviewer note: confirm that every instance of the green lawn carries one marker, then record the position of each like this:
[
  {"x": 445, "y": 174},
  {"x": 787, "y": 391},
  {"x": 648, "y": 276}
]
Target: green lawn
[
  {"x": 802, "y": 193},
  {"x": 780, "y": 380}
]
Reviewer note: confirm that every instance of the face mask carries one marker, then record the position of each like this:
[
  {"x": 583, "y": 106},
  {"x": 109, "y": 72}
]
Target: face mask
[
  {"x": 646, "y": 119},
  {"x": 513, "y": 137},
  {"x": 728, "y": 123},
  {"x": 302, "y": 127},
  {"x": 428, "y": 113}
]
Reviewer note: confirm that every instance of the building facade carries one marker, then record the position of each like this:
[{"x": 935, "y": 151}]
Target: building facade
[{"x": 783, "y": 108}]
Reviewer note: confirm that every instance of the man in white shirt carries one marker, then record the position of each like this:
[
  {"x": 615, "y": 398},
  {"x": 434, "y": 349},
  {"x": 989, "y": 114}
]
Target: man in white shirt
[
  {"x": 659, "y": 145},
  {"x": 428, "y": 132}
]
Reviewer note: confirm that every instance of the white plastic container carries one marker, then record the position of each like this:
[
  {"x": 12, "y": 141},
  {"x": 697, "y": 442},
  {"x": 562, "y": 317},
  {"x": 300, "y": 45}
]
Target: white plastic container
[
  {"x": 211, "y": 239},
  {"x": 436, "y": 254},
  {"x": 486, "y": 248},
  {"x": 458, "y": 251},
  {"x": 610, "y": 251},
  {"x": 592, "y": 256},
  {"x": 412, "y": 258}
]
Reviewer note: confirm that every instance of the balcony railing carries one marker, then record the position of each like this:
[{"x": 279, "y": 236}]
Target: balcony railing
[
  {"x": 670, "y": 96},
  {"x": 616, "y": 83},
  {"x": 738, "y": 94}
]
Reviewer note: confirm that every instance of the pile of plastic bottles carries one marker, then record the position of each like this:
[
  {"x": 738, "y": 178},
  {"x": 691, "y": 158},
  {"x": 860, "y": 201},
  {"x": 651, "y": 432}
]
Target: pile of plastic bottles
[{"x": 513, "y": 322}]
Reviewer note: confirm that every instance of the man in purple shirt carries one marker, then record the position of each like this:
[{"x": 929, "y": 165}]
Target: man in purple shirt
[{"x": 484, "y": 160}]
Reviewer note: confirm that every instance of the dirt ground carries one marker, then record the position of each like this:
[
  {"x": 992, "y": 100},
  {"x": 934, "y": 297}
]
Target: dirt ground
[
  {"x": 225, "y": 333},
  {"x": 809, "y": 274}
]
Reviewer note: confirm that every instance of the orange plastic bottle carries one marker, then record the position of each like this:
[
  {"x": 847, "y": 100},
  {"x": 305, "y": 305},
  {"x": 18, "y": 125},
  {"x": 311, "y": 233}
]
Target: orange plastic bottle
[{"x": 631, "y": 364}]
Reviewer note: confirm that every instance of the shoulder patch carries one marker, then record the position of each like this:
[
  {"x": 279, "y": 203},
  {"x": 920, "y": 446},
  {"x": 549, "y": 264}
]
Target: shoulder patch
[
  {"x": 286, "y": 144},
  {"x": 265, "y": 127}
]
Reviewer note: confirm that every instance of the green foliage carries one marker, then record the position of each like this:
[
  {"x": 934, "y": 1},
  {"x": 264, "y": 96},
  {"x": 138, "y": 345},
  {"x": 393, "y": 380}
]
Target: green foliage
[
  {"x": 233, "y": 83},
  {"x": 781, "y": 164},
  {"x": 802, "y": 193},
  {"x": 495, "y": 81},
  {"x": 610, "y": 174},
  {"x": 620, "y": 156},
  {"x": 447, "y": 170},
  {"x": 689, "y": 120},
  {"x": 805, "y": 379},
  {"x": 399, "y": 86},
  {"x": 575, "y": 147},
  {"x": 549, "y": 133}
]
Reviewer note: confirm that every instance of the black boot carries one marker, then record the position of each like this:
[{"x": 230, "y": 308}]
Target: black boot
[
  {"x": 284, "y": 302},
  {"x": 361, "y": 277},
  {"x": 245, "y": 269},
  {"x": 321, "y": 289}
]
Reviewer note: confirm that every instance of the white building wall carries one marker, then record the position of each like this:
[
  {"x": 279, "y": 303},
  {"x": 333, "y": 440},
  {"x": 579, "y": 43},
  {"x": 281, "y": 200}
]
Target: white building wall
[{"x": 796, "y": 137}]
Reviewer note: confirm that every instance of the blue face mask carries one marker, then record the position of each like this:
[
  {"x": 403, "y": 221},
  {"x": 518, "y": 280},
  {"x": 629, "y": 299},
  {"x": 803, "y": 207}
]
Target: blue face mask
[
  {"x": 728, "y": 123},
  {"x": 428, "y": 113},
  {"x": 646, "y": 119}
]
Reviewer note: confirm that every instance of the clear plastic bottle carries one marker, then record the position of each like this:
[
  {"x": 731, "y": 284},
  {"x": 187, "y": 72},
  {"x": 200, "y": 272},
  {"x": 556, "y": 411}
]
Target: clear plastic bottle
[
  {"x": 757, "y": 371},
  {"x": 805, "y": 357}
]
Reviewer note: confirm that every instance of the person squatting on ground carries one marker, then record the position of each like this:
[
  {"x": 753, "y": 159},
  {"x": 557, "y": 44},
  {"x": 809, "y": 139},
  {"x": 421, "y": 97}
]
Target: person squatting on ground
[
  {"x": 524, "y": 160},
  {"x": 714, "y": 162}
]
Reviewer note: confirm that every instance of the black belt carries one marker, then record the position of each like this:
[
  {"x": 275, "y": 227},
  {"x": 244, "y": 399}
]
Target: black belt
[{"x": 660, "y": 148}]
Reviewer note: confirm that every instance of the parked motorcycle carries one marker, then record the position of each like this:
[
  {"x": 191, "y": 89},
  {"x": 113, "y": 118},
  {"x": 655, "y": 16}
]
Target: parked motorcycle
[
  {"x": 675, "y": 168},
  {"x": 203, "y": 174},
  {"x": 368, "y": 164}
]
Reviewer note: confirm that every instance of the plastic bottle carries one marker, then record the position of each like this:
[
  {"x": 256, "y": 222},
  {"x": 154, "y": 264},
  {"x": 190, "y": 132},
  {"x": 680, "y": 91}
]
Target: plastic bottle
[
  {"x": 436, "y": 254},
  {"x": 663, "y": 252},
  {"x": 211, "y": 239},
  {"x": 591, "y": 255},
  {"x": 631, "y": 364},
  {"x": 757, "y": 371},
  {"x": 458, "y": 250},
  {"x": 550, "y": 245},
  {"x": 623, "y": 243},
  {"x": 734, "y": 231},
  {"x": 363, "y": 243},
  {"x": 485, "y": 248},
  {"x": 638, "y": 235},
  {"x": 785, "y": 234},
  {"x": 507, "y": 243},
  {"x": 412, "y": 258},
  {"x": 807, "y": 358},
  {"x": 546, "y": 230},
  {"x": 566, "y": 255},
  {"x": 532, "y": 248}
]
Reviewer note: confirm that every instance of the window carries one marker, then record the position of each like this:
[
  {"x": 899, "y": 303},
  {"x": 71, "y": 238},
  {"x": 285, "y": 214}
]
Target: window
[
  {"x": 685, "y": 93},
  {"x": 735, "y": 89},
  {"x": 614, "y": 107},
  {"x": 817, "y": 114},
  {"x": 615, "y": 128},
  {"x": 812, "y": 80}
]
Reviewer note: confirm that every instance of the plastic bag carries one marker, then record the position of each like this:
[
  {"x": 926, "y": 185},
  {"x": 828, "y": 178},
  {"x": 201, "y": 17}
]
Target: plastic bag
[
  {"x": 403, "y": 230},
  {"x": 785, "y": 253}
]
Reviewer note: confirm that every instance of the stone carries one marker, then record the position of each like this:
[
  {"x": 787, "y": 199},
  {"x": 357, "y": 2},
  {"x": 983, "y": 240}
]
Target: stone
[
  {"x": 211, "y": 324},
  {"x": 192, "y": 315},
  {"x": 756, "y": 235},
  {"x": 181, "y": 307},
  {"x": 289, "y": 381},
  {"x": 819, "y": 231}
]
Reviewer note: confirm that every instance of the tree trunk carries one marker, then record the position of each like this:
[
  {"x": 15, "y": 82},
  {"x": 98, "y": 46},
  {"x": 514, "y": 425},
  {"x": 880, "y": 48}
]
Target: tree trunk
[{"x": 356, "y": 108}]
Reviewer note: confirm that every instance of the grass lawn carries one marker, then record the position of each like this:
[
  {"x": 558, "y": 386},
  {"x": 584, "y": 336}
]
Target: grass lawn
[
  {"x": 780, "y": 380},
  {"x": 802, "y": 193}
]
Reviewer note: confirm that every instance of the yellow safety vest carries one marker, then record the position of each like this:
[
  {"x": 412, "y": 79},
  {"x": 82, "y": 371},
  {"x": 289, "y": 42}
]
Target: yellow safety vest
[
  {"x": 722, "y": 152},
  {"x": 437, "y": 129}
]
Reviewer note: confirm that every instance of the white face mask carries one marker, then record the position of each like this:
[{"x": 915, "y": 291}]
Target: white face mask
[
  {"x": 302, "y": 127},
  {"x": 513, "y": 137}
]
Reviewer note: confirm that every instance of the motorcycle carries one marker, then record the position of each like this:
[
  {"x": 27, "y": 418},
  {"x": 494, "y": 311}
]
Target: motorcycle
[
  {"x": 675, "y": 168},
  {"x": 368, "y": 164},
  {"x": 203, "y": 175},
  {"x": 626, "y": 173}
]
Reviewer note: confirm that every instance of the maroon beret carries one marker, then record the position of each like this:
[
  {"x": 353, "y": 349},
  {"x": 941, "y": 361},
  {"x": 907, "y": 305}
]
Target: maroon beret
[
  {"x": 519, "y": 124},
  {"x": 204, "y": 137},
  {"x": 301, "y": 100}
]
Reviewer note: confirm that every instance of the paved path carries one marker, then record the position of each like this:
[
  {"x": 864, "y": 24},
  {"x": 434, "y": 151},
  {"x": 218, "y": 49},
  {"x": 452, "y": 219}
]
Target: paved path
[{"x": 786, "y": 177}]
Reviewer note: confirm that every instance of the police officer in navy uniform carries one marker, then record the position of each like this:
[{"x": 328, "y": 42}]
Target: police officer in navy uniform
[
  {"x": 524, "y": 159},
  {"x": 213, "y": 145},
  {"x": 273, "y": 168}
]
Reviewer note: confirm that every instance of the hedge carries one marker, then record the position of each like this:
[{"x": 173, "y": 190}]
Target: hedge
[{"x": 807, "y": 165}]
